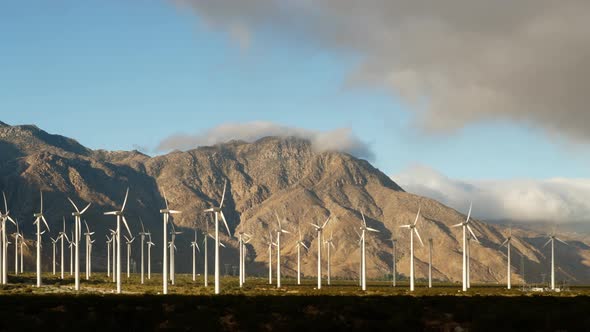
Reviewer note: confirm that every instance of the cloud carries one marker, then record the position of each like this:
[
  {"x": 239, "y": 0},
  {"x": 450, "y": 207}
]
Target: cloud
[
  {"x": 557, "y": 200},
  {"x": 339, "y": 140},
  {"x": 456, "y": 61}
]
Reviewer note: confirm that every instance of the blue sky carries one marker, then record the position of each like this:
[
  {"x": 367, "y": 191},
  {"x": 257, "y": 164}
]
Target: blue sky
[{"x": 119, "y": 74}]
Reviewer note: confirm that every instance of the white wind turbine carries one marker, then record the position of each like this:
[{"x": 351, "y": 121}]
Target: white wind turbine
[
  {"x": 466, "y": 228},
  {"x": 320, "y": 229},
  {"x": 4, "y": 216},
  {"x": 280, "y": 230},
  {"x": 364, "y": 230},
  {"x": 205, "y": 257},
  {"x": 120, "y": 217},
  {"x": 76, "y": 240},
  {"x": 218, "y": 213},
  {"x": 270, "y": 244},
  {"x": 195, "y": 247},
  {"x": 149, "y": 258},
  {"x": 108, "y": 242},
  {"x": 142, "y": 235},
  {"x": 54, "y": 242},
  {"x": 360, "y": 244},
  {"x": 172, "y": 247},
  {"x": 394, "y": 260},
  {"x": 16, "y": 236},
  {"x": 23, "y": 244},
  {"x": 39, "y": 217},
  {"x": 89, "y": 241},
  {"x": 413, "y": 229},
  {"x": 166, "y": 215},
  {"x": 430, "y": 263},
  {"x": 71, "y": 246},
  {"x": 330, "y": 243},
  {"x": 508, "y": 244},
  {"x": 129, "y": 241},
  {"x": 114, "y": 254},
  {"x": 244, "y": 255},
  {"x": 63, "y": 237},
  {"x": 300, "y": 244},
  {"x": 552, "y": 238},
  {"x": 243, "y": 238}
]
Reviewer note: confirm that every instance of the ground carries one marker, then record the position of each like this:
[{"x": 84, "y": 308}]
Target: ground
[{"x": 262, "y": 307}]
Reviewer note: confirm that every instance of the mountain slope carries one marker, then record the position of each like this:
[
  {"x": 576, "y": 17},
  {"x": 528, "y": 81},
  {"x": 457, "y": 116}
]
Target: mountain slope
[{"x": 271, "y": 175}]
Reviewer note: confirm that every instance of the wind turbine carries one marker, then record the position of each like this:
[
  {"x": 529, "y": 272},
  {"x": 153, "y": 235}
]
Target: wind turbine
[
  {"x": 39, "y": 217},
  {"x": 364, "y": 230},
  {"x": 508, "y": 244},
  {"x": 142, "y": 235},
  {"x": 166, "y": 215},
  {"x": 53, "y": 242},
  {"x": 394, "y": 260},
  {"x": 413, "y": 229},
  {"x": 270, "y": 244},
  {"x": 320, "y": 229},
  {"x": 195, "y": 246},
  {"x": 77, "y": 230},
  {"x": 114, "y": 253},
  {"x": 87, "y": 235},
  {"x": 360, "y": 244},
  {"x": 71, "y": 246},
  {"x": 205, "y": 260},
  {"x": 108, "y": 242},
  {"x": 466, "y": 228},
  {"x": 3, "y": 217},
  {"x": 150, "y": 244},
  {"x": 129, "y": 241},
  {"x": 244, "y": 255},
  {"x": 279, "y": 231},
  {"x": 218, "y": 213},
  {"x": 430, "y": 263},
  {"x": 300, "y": 244},
  {"x": 120, "y": 216},
  {"x": 243, "y": 238},
  {"x": 16, "y": 236},
  {"x": 329, "y": 243},
  {"x": 552, "y": 238},
  {"x": 63, "y": 236},
  {"x": 22, "y": 251},
  {"x": 173, "y": 249}
]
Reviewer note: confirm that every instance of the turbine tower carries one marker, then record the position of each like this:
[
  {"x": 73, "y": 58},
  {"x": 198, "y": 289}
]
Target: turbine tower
[
  {"x": 142, "y": 236},
  {"x": 120, "y": 217},
  {"x": 166, "y": 213},
  {"x": 53, "y": 242},
  {"x": 77, "y": 230},
  {"x": 108, "y": 242},
  {"x": 466, "y": 228},
  {"x": 245, "y": 241},
  {"x": 5, "y": 215},
  {"x": 172, "y": 246},
  {"x": 195, "y": 247},
  {"x": 430, "y": 263},
  {"x": 39, "y": 217},
  {"x": 206, "y": 256},
  {"x": 413, "y": 229},
  {"x": 300, "y": 244},
  {"x": 394, "y": 260},
  {"x": 320, "y": 229},
  {"x": 63, "y": 237},
  {"x": 129, "y": 241},
  {"x": 364, "y": 229},
  {"x": 330, "y": 244},
  {"x": 16, "y": 236},
  {"x": 508, "y": 244},
  {"x": 270, "y": 245},
  {"x": 280, "y": 230},
  {"x": 552, "y": 238},
  {"x": 243, "y": 238},
  {"x": 89, "y": 241},
  {"x": 218, "y": 213},
  {"x": 149, "y": 258},
  {"x": 23, "y": 244}
]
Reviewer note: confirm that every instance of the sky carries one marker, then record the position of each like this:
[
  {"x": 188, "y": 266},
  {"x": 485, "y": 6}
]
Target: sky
[{"x": 467, "y": 101}]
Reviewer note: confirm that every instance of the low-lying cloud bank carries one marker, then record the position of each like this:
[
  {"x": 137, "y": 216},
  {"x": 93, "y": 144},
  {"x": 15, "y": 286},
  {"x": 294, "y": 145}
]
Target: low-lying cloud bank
[
  {"x": 339, "y": 140},
  {"x": 556, "y": 200}
]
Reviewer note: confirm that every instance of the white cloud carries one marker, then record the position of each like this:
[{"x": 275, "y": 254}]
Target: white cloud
[
  {"x": 339, "y": 140},
  {"x": 556, "y": 200},
  {"x": 526, "y": 61}
]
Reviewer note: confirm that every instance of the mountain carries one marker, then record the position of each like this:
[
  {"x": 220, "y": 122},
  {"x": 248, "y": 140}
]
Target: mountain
[{"x": 272, "y": 175}]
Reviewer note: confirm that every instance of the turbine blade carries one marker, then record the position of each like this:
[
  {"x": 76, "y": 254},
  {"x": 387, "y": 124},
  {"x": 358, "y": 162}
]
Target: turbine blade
[
  {"x": 223, "y": 195},
  {"x": 125, "y": 201},
  {"x": 86, "y": 208},
  {"x": 418, "y": 235},
  {"x": 405, "y": 226},
  {"x": 469, "y": 214},
  {"x": 5, "y": 204},
  {"x": 41, "y": 192},
  {"x": 417, "y": 216},
  {"x": 142, "y": 228},
  {"x": 364, "y": 221},
  {"x": 372, "y": 230},
  {"x": 327, "y": 220},
  {"x": 126, "y": 225},
  {"x": 14, "y": 222},
  {"x": 75, "y": 207},
  {"x": 225, "y": 223},
  {"x": 303, "y": 244},
  {"x": 45, "y": 221},
  {"x": 472, "y": 234},
  {"x": 560, "y": 240},
  {"x": 457, "y": 225},
  {"x": 111, "y": 213},
  {"x": 504, "y": 243},
  {"x": 316, "y": 226},
  {"x": 221, "y": 244},
  {"x": 546, "y": 243},
  {"x": 87, "y": 229}
]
